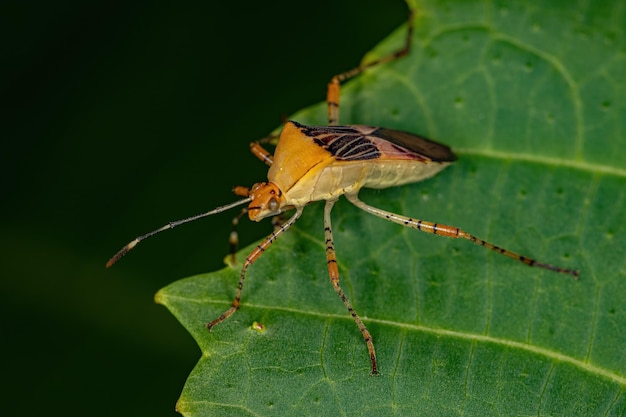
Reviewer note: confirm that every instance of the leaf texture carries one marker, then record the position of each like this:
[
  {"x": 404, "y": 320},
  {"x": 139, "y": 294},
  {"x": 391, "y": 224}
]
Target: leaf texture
[{"x": 532, "y": 98}]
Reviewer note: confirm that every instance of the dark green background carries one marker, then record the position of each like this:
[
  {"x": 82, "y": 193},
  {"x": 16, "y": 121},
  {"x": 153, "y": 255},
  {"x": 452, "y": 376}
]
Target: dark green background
[{"x": 117, "y": 118}]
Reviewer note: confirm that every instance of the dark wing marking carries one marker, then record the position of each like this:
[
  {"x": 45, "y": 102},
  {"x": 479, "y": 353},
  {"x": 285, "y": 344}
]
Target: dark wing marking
[
  {"x": 357, "y": 143},
  {"x": 343, "y": 142},
  {"x": 414, "y": 143}
]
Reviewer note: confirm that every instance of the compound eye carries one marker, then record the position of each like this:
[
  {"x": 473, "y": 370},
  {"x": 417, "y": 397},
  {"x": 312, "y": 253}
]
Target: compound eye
[{"x": 273, "y": 204}]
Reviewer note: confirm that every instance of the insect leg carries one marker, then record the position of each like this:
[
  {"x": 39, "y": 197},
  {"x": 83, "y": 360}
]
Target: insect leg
[
  {"x": 261, "y": 153},
  {"x": 453, "y": 232},
  {"x": 278, "y": 221},
  {"x": 257, "y": 149},
  {"x": 242, "y": 191},
  {"x": 333, "y": 272},
  {"x": 250, "y": 259},
  {"x": 332, "y": 92},
  {"x": 233, "y": 239},
  {"x": 272, "y": 139}
]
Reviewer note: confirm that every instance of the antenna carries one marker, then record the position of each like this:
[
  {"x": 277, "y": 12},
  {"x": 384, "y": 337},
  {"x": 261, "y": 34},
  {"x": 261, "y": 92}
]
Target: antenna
[{"x": 172, "y": 225}]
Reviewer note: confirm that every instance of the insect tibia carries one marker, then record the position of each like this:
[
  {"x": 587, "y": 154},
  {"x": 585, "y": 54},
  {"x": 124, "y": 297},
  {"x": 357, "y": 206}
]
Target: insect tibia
[
  {"x": 332, "y": 93},
  {"x": 524, "y": 259},
  {"x": 453, "y": 232},
  {"x": 250, "y": 259}
]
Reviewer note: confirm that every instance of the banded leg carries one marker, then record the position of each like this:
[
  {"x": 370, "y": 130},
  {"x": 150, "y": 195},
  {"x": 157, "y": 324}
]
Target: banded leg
[
  {"x": 333, "y": 273},
  {"x": 233, "y": 239},
  {"x": 332, "y": 93},
  {"x": 250, "y": 259},
  {"x": 453, "y": 232}
]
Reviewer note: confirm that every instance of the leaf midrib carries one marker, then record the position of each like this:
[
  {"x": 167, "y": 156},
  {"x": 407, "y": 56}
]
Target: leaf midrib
[
  {"x": 543, "y": 160},
  {"x": 547, "y": 353}
]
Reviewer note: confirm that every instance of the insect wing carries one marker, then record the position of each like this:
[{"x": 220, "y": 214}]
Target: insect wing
[
  {"x": 413, "y": 144},
  {"x": 361, "y": 143}
]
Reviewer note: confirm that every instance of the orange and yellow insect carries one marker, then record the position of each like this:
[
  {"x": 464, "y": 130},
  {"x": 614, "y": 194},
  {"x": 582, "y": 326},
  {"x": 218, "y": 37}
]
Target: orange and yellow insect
[{"x": 322, "y": 163}]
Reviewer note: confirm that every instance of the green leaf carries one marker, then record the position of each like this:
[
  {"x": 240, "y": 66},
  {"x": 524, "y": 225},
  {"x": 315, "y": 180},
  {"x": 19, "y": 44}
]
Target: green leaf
[{"x": 532, "y": 98}]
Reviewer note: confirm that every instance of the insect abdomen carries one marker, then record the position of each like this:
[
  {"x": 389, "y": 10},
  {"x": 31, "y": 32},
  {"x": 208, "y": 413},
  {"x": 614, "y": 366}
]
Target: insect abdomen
[
  {"x": 348, "y": 177},
  {"x": 384, "y": 174}
]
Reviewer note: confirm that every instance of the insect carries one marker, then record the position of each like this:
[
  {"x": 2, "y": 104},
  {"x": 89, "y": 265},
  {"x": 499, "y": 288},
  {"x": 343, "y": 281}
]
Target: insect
[{"x": 322, "y": 163}]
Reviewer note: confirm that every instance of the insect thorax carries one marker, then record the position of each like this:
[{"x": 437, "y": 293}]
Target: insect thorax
[{"x": 305, "y": 168}]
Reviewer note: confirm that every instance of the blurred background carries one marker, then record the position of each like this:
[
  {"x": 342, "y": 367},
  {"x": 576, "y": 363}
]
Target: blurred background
[{"x": 118, "y": 117}]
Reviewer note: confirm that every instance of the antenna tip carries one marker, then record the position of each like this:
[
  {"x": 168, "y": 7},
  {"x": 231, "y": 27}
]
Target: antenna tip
[
  {"x": 117, "y": 257},
  {"x": 121, "y": 253}
]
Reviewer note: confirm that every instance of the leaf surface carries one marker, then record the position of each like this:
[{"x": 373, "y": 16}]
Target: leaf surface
[{"x": 532, "y": 98}]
